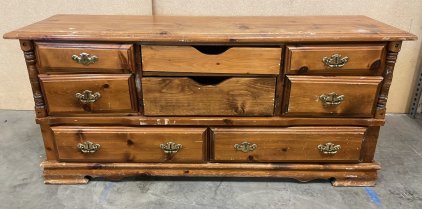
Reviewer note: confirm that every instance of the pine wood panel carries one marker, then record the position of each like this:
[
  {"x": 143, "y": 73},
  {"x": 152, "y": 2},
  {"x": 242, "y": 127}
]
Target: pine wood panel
[
  {"x": 286, "y": 144},
  {"x": 302, "y": 96},
  {"x": 184, "y": 96},
  {"x": 210, "y": 121},
  {"x": 57, "y": 57},
  {"x": 235, "y": 60},
  {"x": 364, "y": 59},
  {"x": 117, "y": 94},
  {"x": 362, "y": 174},
  {"x": 127, "y": 144},
  {"x": 184, "y": 29}
]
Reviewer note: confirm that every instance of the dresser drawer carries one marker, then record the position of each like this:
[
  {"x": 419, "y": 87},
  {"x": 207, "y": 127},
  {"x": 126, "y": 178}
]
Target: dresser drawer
[
  {"x": 350, "y": 59},
  {"x": 211, "y": 59},
  {"x": 89, "y": 94},
  {"x": 102, "y": 58},
  {"x": 340, "y": 96},
  {"x": 129, "y": 144},
  {"x": 185, "y": 96},
  {"x": 286, "y": 144}
]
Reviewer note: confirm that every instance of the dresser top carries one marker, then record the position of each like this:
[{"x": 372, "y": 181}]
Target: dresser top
[{"x": 210, "y": 29}]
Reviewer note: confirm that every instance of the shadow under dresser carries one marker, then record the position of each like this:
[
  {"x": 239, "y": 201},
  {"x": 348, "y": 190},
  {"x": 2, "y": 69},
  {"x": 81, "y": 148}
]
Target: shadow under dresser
[{"x": 297, "y": 97}]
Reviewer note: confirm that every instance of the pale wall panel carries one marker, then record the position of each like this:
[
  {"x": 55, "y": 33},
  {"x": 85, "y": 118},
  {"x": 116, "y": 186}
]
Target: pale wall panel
[
  {"x": 405, "y": 15},
  {"x": 15, "y": 90}
]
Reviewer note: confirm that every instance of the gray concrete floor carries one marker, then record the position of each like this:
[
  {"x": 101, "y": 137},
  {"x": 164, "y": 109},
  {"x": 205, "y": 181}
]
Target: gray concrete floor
[{"x": 399, "y": 184}]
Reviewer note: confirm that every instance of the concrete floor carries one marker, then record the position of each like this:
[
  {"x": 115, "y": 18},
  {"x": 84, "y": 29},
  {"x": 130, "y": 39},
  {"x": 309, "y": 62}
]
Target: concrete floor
[{"x": 399, "y": 184}]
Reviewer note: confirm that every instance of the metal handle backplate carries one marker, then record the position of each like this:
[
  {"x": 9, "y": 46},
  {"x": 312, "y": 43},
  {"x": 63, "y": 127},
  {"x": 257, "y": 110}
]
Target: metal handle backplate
[
  {"x": 171, "y": 147},
  {"x": 85, "y": 59},
  {"x": 245, "y": 147},
  {"x": 336, "y": 61},
  {"x": 332, "y": 98},
  {"x": 87, "y": 96},
  {"x": 89, "y": 147},
  {"x": 329, "y": 148}
]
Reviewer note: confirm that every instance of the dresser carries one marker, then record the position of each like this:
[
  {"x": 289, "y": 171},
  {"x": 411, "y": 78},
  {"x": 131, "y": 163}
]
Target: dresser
[{"x": 292, "y": 97}]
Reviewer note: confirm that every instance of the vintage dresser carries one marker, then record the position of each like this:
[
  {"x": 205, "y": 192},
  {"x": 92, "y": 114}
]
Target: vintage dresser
[{"x": 295, "y": 97}]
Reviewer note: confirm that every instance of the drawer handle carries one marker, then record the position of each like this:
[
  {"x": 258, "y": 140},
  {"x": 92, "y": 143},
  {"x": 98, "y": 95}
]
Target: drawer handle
[
  {"x": 87, "y": 96},
  {"x": 336, "y": 61},
  {"x": 332, "y": 98},
  {"x": 85, "y": 59},
  {"x": 171, "y": 147},
  {"x": 329, "y": 148},
  {"x": 89, "y": 147},
  {"x": 245, "y": 147}
]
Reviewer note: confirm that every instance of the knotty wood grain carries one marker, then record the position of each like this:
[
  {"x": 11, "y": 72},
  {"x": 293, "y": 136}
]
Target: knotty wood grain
[
  {"x": 49, "y": 143},
  {"x": 117, "y": 93},
  {"x": 57, "y": 57},
  {"x": 210, "y": 29},
  {"x": 364, "y": 59},
  {"x": 369, "y": 144},
  {"x": 286, "y": 144},
  {"x": 362, "y": 174},
  {"x": 303, "y": 94},
  {"x": 236, "y": 60},
  {"x": 184, "y": 96},
  {"x": 126, "y": 144}
]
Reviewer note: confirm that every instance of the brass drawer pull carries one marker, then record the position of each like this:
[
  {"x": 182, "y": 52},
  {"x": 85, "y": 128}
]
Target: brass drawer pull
[
  {"x": 87, "y": 96},
  {"x": 89, "y": 147},
  {"x": 336, "y": 61},
  {"x": 332, "y": 98},
  {"x": 329, "y": 148},
  {"x": 171, "y": 147},
  {"x": 85, "y": 59},
  {"x": 245, "y": 147}
]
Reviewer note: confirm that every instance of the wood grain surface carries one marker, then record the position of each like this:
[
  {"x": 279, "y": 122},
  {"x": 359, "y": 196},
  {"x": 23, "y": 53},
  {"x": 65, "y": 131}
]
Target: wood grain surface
[
  {"x": 210, "y": 121},
  {"x": 362, "y": 174},
  {"x": 117, "y": 94},
  {"x": 303, "y": 96},
  {"x": 185, "y": 29},
  {"x": 57, "y": 57},
  {"x": 286, "y": 144},
  {"x": 185, "y": 96},
  {"x": 27, "y": 47},
  {"x": 127, "y": 144},
  {"x": 364, "y": 59},
  {"x": 234, "y": 60}
]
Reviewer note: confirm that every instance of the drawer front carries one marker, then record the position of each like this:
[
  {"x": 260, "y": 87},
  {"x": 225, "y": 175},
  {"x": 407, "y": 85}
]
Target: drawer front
[
  {"x": 209, "y": 59},
  {"x": 365, "y": 59},
  {"x": 185, "y": 96},
  {"x": 286, "y": 144},
  {"x": 340, "y": 96},
  {"x": 129, "y": 144},
  {"x": 110, "y": 58},
  {"x": 69, "y": 94}
]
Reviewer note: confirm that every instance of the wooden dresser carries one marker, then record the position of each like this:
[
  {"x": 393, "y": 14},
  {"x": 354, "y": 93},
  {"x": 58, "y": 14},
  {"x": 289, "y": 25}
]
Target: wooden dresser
[{"x": 296, "y": 97}]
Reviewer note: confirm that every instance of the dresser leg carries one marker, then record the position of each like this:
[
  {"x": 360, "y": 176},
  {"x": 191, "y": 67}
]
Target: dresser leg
[
  {"x": 65, "y": 179},
  {"x": 353, "y": 182}
]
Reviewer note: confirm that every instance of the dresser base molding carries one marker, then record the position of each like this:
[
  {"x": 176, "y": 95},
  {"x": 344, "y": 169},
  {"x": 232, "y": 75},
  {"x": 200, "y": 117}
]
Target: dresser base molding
[{"x": 362, "y": 174}]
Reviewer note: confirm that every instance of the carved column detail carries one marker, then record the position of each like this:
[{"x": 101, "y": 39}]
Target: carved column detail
[
  {"x": 29, "y": 53},
  {"x": 390, "y": 61}
]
